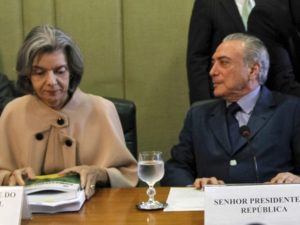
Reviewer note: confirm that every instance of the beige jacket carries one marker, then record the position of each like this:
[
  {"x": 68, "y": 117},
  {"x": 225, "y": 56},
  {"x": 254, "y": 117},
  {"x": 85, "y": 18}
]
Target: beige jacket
[{"x": 87, "y": 131}]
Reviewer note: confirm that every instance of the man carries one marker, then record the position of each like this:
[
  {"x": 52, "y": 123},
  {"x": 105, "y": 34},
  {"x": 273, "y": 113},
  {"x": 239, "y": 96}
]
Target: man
[
  {"x": 269, "y": 150},
  {"x": 210, "y": 22},
  {"x": 276, "y": 22}
]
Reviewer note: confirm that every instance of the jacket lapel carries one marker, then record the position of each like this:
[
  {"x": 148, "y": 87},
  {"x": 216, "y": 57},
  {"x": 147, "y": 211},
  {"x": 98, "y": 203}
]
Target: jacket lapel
[
  {"x": 230, "y": 7},
  {"x": 218, "y": 125},
  {"x": 262, "y": 112}
]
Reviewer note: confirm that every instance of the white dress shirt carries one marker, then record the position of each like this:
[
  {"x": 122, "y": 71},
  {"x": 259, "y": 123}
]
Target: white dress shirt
[{"x": 240, "y": 4}]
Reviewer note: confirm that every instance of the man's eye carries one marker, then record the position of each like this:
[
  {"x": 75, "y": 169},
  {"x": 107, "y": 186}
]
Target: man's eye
[{"x": 224, "y": 62}]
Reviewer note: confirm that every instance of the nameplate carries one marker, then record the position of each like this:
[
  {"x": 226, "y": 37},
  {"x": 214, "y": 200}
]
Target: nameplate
[
  {"x": 252, "y": 204},
  {"x": 11, "y": 205}
]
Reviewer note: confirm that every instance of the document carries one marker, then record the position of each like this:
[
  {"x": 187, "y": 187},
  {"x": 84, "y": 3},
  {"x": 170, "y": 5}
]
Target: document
[
  {"x": 260, "y": 204},
  {"x": 13, "y": 205},
  {"x": 185, "y": 199},
  {"x": 55, "y": 193},
  {"x": 59, "y": 206}
]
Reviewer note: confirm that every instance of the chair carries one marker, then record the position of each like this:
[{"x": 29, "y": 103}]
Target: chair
[{"x": 127, "y": 113}]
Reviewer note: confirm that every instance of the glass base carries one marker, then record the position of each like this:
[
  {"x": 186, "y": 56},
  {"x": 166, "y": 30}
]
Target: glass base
[{"x": 155, "y": 205}]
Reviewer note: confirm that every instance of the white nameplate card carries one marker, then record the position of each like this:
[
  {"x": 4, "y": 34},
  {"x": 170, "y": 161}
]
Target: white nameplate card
[
  {"x": 11, "y": 205},
  {"x": 263, "y": 204}
]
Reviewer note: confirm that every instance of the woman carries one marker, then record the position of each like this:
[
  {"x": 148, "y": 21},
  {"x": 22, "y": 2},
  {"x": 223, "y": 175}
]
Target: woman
[{"x": 57, "y": 128}]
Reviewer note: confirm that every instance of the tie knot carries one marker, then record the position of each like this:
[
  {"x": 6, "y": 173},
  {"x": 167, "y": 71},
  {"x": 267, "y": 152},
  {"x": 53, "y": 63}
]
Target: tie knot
[{"x": 233, "y": 108}]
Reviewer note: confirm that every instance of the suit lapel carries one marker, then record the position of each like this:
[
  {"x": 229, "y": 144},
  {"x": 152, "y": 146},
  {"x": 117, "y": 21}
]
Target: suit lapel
[
  {"x": 262, "y": 112},
  {"x": 231, "y": 8},
  {"x": 217, "y": 123}
]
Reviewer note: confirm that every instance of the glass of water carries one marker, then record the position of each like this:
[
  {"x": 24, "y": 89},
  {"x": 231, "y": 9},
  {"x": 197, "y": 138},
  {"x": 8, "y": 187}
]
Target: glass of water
[{"x": 151, "y": 170}]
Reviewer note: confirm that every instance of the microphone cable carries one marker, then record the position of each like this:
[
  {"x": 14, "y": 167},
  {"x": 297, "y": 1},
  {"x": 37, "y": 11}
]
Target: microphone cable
[{"x": 245, "y": 132}]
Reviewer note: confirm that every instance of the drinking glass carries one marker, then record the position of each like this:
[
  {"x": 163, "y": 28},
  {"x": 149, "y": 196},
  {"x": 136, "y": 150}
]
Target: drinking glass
[{"x": 151, "y": 170}]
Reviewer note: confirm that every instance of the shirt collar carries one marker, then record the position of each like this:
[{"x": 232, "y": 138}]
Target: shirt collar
[
  {"x": 248, "y": 101},
  {"x": 240, "y": 4}
]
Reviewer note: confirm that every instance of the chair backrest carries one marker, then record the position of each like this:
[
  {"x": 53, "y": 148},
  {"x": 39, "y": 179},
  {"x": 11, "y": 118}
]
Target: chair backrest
[{"x": 127, "y": 113}]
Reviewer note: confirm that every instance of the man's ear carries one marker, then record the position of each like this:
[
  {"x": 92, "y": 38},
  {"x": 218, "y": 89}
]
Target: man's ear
[{"x": 254, "y": 71}]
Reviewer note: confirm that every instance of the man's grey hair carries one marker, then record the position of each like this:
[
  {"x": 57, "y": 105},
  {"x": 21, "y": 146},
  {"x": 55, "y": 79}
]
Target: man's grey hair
[{"x": 255, "y": 52}]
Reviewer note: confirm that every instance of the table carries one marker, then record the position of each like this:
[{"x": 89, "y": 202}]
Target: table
[{"x": 116, "y": 206}]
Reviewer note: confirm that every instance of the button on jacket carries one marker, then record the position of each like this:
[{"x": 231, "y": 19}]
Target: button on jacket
[
  {"x": 204, "y": 149},
  {"x": 87, "y": 131}
]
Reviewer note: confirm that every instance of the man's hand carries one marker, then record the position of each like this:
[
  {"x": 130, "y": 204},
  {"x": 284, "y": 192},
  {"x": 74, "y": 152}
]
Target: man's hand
[
  {"x": 201, "y": 182},
  {"x": 285, "y": 178}
]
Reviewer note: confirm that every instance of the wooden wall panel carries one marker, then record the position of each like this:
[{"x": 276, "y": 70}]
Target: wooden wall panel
[
  {"x": 11, "y": 34},
  {"x": 155, "y": 37},
  {"x": 134, "y": 49},
  {"x": 96, "y": 27},
  {"x": 37, "y": 12}
]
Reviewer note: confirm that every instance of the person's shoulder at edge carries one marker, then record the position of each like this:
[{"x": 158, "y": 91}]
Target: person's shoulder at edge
[
  {"x": 96, "y": 105},
  {"x": 99, "y": 100},
  {"x": 16, "y": 103},
  {"x": 280, "y": 97}
]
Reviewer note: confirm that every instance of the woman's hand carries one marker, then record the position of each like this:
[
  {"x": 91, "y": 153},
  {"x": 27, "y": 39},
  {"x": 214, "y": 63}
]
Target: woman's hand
[
  {"x": 199, "y": 183},
  {"x": 19, "y": 176},
  {"x": 89, "y": 176},
  {"x": 285, "y": 178}
]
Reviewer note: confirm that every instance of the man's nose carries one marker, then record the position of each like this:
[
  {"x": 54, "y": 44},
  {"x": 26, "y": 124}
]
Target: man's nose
[{"x": 213, "y": 70}]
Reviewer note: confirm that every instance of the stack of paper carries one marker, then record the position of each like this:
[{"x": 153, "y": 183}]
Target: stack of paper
[
  {"x": 55, "y": 193},
  {"x": 185, "y": 199}
]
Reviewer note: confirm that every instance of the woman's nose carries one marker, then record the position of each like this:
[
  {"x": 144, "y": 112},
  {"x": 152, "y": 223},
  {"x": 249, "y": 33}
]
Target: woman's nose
[{"x": 51, "y": 78}]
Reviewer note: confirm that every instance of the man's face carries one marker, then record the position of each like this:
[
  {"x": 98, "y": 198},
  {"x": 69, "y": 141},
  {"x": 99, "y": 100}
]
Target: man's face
[{"x": 231, "y": 76}]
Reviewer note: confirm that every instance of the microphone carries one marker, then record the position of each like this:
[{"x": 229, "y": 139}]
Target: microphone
[{"x": 245, "y": 132}]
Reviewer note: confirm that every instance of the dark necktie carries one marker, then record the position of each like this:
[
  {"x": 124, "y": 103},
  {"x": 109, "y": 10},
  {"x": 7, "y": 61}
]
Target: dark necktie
[{"x": 233, "y": 125}]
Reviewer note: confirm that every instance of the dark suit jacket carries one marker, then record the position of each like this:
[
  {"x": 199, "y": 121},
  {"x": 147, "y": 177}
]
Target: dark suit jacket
[
  {"x": 274, "y": 22},
  {"x": 6, "y": 91},
  {"x": 204, "y": 149},
  {"x": 210, "y": 22}
]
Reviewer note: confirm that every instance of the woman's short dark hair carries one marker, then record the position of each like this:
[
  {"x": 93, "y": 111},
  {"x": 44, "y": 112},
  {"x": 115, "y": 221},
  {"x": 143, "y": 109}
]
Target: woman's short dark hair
[{"x": 47, "y": 39}]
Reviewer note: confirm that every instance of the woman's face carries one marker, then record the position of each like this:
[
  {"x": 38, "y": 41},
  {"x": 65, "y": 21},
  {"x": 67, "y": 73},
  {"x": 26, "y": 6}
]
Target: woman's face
[{"x": 50, "y": 78}]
